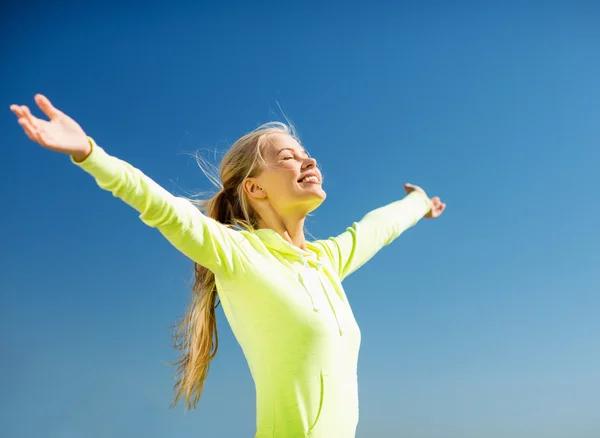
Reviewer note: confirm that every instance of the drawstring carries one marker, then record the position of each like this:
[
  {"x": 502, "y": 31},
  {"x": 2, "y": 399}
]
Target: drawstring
[
  {"x": 323, "y": 288},
  {"x": 340, "y": 328},
  {"x": 283, "y": 251},
  {"x": 306, "y": 288}
]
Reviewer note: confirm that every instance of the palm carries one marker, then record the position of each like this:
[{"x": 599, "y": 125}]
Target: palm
[
  {"x": 437, "y": 206},
  {"x": 61, "y": 133}
]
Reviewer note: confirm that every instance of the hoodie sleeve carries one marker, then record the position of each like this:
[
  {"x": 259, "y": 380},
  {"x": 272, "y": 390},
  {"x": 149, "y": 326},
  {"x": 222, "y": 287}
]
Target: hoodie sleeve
[
  {"x": 360, "y": 242},
  {"x": 197, "y": 236}
]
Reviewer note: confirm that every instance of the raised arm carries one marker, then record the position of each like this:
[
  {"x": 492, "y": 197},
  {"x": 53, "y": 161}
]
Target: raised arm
[
  {"x": 360, "y": 242},
  {"x": 199, "y": 237}
]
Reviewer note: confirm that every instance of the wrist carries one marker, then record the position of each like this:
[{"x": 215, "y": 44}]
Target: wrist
[
  {"x": 80, "y": 156},
  {"x": 424, "y": 198}
]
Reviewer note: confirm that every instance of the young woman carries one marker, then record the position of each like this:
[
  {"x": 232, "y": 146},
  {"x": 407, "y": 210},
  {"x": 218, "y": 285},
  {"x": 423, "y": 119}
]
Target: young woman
[{"x": 281, "y": 294}]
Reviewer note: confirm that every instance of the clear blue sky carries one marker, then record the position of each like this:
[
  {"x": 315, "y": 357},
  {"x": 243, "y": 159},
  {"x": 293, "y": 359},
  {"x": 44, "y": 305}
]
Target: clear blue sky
[{"x": 483, "y": 323}]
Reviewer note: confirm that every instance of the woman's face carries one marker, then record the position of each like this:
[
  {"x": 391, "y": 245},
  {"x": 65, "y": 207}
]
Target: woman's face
[{"x": 289, "y": 180}]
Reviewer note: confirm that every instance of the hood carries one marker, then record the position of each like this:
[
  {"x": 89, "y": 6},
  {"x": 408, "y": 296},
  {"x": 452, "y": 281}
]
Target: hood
[
  {"x": 311, "y": 280},
  {"x": 275, "y": 242}
]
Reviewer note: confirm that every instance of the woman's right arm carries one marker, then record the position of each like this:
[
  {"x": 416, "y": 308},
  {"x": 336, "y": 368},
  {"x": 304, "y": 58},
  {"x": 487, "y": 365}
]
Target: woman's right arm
[{"x": 199, "y": 237}]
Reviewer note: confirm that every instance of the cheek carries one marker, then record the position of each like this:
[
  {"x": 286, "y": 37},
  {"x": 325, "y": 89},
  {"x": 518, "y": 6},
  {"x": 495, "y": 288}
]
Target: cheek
[{"x": 281, "y": 181}]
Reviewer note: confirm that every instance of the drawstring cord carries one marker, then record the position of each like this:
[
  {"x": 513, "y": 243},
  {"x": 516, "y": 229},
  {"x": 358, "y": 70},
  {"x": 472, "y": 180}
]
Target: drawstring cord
[
  {"x": 312, "y": 300},
  {"x": 323, "y": 288}
]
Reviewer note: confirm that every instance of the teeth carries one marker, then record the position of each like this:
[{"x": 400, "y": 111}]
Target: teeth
[{"x": 310, "y": 179}]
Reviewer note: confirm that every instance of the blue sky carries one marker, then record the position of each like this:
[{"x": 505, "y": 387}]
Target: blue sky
[{"x": 480, "y": 324}]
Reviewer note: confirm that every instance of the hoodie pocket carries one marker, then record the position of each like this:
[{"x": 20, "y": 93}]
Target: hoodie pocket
[
  {"x": 315, "y": 422},
  {"x": 338, "y": 409}
]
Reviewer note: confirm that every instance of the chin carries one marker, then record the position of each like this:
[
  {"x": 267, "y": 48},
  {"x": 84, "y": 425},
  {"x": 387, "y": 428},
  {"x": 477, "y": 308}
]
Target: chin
[
  {"x": 321, "y": 193},
  {"x": 317, "y": 199},
  {"x": 316, "y": 192},
  {"x": 309, "y": 200}
]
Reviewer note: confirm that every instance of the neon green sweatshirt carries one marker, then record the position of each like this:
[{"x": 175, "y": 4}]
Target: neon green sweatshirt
[{"x": 286, "y": 306}]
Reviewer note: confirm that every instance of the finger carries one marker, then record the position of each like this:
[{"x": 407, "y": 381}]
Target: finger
[
  {"x": 436, "y": 200},
  {"x": 47, "y": 107},
  {"x": 36, "y": 127},
  {"x": 17, "y": 110},
  {"x": 30, "y": 117},
  {"x": 29, "y": 129}
]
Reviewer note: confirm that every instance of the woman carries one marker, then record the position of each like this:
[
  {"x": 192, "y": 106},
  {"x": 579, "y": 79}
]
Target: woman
[{"x": 281, "y": 294}]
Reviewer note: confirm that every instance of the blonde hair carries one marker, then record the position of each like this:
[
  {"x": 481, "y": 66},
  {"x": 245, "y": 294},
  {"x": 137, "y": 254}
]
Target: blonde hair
[{"x": 196, "y": 335}]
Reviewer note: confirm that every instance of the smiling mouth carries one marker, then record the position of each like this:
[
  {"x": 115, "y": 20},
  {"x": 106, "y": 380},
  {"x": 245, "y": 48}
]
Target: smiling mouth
[{"x": 309, "y": 179}]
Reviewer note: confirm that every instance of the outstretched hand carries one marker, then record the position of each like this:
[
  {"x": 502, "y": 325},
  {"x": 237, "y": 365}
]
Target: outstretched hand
[
  {"x": 437, "y": 206},
  {"x": 61, "y": 133}
]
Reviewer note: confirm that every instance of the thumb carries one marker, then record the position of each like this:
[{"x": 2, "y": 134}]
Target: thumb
[
  {"x": 408, "y": 188},
  {"x": 47, "y": 107}
]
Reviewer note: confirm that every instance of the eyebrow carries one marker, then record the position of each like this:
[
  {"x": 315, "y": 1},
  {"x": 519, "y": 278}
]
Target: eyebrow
[{"x": 293, "y": 150}]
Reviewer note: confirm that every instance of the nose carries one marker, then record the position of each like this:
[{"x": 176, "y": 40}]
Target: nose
[{"x": 309, "y": 163}]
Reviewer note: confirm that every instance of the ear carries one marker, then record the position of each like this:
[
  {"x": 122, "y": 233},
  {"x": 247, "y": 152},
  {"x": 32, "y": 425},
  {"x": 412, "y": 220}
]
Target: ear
[{"x": 253, "y": 189}]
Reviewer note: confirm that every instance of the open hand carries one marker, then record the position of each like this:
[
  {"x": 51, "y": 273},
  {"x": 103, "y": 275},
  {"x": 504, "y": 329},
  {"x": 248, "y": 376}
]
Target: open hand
[
  {"x": 61, "y": 133},
  {"x": 437, "y": 206}
]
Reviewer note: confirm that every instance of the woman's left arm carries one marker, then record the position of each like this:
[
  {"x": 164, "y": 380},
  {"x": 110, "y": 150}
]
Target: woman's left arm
[{"x": 360, "y": 242}]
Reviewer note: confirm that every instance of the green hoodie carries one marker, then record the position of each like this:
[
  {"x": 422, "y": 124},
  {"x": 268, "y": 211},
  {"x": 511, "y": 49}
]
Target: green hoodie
[{"x": 286, "y": 306}]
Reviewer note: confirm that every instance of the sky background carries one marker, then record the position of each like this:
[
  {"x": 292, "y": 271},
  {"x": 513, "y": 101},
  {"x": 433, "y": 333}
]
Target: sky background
[{"x": 483, "y": 323}]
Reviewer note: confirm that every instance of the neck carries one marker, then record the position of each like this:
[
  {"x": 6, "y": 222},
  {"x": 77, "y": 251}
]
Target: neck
[{"x": 291, "y": 228}]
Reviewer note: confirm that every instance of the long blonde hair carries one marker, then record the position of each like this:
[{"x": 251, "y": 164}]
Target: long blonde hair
[{"x": 196, "y": 335}]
